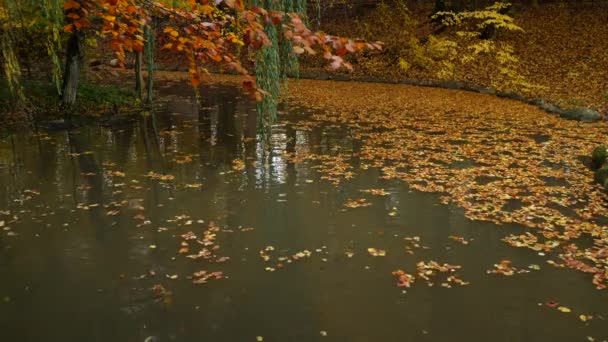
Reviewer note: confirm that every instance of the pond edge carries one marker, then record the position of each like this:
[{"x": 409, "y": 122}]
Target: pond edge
[{"x": 582, "y": 114}]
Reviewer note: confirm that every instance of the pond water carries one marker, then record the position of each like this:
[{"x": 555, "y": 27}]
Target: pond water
[{"x": 95, "y": 243}]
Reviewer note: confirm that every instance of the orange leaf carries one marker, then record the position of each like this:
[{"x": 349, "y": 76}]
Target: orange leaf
[
  {"x": 195, "y": 81},
  {"x": 138, "y": 46},
  {"x": 71, "y": 4}
]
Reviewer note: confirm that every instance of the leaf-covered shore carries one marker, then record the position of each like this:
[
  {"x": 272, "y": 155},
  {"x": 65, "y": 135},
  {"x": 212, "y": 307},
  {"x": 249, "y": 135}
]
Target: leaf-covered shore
[{"x": 561, "y": 51}]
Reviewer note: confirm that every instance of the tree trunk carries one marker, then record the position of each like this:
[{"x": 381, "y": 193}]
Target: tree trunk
[
  {"x": 534, "y": 4},
  {"x": 73, "y": 62},
  {"x": 439, "y": 6},
  {"x": 149, "y": 47},
  {"x": 139, "y": 77},
  {"x": 491, "y": 31}
]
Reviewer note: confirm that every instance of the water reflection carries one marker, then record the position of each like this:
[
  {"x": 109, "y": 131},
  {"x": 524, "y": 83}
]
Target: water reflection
[{"x": 93, "y": 227}]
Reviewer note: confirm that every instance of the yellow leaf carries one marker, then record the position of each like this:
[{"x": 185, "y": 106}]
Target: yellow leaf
[
  {"x": 238, "y": 165},
  {"x": 376, "y": 252}
]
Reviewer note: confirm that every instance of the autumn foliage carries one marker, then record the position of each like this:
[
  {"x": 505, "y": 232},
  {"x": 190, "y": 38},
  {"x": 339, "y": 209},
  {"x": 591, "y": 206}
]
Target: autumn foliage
[{"x": 206, "y": 33}]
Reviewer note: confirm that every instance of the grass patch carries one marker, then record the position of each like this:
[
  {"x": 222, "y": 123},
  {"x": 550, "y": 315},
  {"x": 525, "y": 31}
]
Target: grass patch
[{"x": 93, "y": 100}]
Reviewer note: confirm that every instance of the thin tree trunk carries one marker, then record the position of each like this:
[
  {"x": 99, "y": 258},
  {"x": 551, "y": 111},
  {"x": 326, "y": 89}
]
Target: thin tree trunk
[
  {"x": 149, "y": 47},
  {"x": 439, "y": 6},
  {"x": 139, "y": 77},
  {"x": 73, "y": 63},
  {"x": 534, "y": 4}
]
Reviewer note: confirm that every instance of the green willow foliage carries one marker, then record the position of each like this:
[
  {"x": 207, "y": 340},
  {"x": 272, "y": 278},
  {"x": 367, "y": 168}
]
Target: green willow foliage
[
  {"x": 12, "y": 69},
  {"x": 318, "y": 9},
  {"x": 11, "y": 66},
  {"x": 274, "y": 63},
  {"x": 268, "y": 74},
  {"x": 18, "y": 20},
  {"x": 53, "y": 14},
  {"x": 300, "y": 6},
  {"x": 290, "y": 61}
]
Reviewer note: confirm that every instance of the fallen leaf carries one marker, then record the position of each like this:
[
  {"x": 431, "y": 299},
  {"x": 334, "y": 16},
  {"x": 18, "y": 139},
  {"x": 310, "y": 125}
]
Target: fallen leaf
[{"x": 376, "y": 252}]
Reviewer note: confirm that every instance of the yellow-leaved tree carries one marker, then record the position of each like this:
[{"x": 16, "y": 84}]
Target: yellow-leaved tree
[{"x": 475, "y": 35}]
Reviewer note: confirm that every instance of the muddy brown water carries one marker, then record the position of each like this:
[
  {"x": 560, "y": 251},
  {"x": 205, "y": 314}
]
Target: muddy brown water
[{"x": 71, "y": 272}]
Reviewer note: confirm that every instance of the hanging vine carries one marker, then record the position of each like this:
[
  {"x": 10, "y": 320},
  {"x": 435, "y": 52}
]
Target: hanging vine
[
  {"x": 275, "y": 62},
  {"x": 53, "y": 13},
  {"x": 11, "y": 66},
  {"x": 288, "y": 58},
  {"x": 301, "y": 7},
  {"x": 318, "y": 8},
  {"x": 268, "y": 74}
]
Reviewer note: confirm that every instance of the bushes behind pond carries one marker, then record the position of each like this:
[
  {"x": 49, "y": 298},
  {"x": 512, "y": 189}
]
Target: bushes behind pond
[
  {"x": 599, "y": 158},
  {"x": 42, "y": 100},
  {"x": 599, "y": 155}
]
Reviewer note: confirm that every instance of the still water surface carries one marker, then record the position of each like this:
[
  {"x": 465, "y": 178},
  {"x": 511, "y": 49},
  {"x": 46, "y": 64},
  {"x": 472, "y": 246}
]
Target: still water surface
[{"x": 87, "y": 233}]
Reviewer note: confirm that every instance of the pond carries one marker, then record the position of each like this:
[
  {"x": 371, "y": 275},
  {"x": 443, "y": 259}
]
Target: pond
[{"x": 178, "y": 227}]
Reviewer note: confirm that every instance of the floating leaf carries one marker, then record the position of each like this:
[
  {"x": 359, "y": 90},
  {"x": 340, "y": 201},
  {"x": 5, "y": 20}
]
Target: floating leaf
[{"x": 376, "y": 252}]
